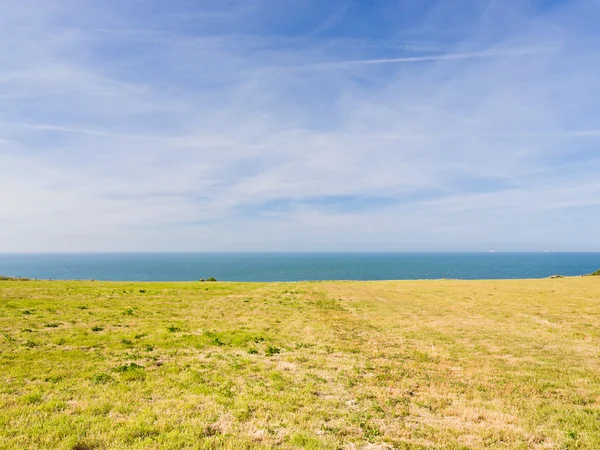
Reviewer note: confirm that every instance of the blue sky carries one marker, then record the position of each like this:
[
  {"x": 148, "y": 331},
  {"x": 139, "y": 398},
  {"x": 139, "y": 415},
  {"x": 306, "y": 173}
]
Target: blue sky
[{"x": 278, "y": 125}]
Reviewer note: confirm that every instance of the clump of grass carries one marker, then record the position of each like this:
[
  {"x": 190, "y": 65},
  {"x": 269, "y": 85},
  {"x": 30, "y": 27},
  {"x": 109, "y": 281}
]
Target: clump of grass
[
  {"x": 102, "y": 378},
  {"x": 140, "y": 335},
  {"x": 128, "y": 368},
  {"x": 82, "y": 307},
  {"x": 595, "y": 274},
  {"x": 142, "y": 291},
  {"x": 51, "y": 325},
  {"x": 173, "y": 329},
  {"x": 85, "y": 445},
  {"x": 128, "y": 312},
  {"x": 126, "y": 342},
  {"x": 252, "y": 351},
  {"x": 370, "y": 431},
  {"x": 26, "y": 312},
  {"x": 54, "y": 379},
  {"x": 272, "y": 351},
  {"x": 30, "y": 344},
  {"x": 97, "y": 328},
  {"x": 131, "y": 372},
  {"x": 34, "y": 397}
]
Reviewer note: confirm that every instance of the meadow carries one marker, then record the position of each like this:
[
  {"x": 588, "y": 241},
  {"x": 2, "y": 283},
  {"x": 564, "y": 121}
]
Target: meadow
[{"x": 334, "y": 365}]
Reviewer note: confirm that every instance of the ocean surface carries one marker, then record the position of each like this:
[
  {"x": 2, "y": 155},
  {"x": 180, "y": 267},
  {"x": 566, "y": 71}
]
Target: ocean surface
[{"x": 295, "y": 266}]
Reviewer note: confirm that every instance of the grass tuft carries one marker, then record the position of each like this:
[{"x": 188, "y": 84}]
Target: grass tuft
[
  {"x": 102, "y": 378},
  {"x": 272, "y": 351},
  {"x": 128, "y": 368}
]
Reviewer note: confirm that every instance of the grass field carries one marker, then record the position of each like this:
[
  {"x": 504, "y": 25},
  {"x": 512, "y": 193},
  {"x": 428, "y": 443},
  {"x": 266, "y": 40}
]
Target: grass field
[{"x": 340, "y": 365}]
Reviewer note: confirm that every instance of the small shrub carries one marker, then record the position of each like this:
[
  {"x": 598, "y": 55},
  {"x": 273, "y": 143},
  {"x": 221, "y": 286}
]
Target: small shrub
[
  {"x": 595, "y": 274},
  {"x": 27, "y": 312},
  {"x": 126, "y": 342},
  {"x": 4, "y": 278},
  {"x": 82, "y": 307},
  {"x": 211, "y": 279},
  {"x": 128, "y": 312},
  {"x": 30, "y": 344},
  {"x": 51, "y": 325},
  {"x": 141, "y": 335},
  {"x": 142, "y": 291},
  {"x": 173, "y": 329},
  {"x": 253, "y": 351},
  {"x": 272, "y": 351},
  {"x": 201, "y": 280},
  {"x": 97, "y": 328}
]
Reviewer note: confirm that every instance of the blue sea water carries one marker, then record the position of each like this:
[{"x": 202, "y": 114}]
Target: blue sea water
[{"x": 295, "y": 266}]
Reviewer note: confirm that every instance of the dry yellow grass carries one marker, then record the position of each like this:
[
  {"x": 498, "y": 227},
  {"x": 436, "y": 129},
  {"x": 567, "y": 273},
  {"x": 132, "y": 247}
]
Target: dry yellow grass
[{"x": 410, "y": 364}]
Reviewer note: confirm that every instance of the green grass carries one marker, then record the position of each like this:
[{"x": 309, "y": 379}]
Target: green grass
[{"x": 333, "y": 365}]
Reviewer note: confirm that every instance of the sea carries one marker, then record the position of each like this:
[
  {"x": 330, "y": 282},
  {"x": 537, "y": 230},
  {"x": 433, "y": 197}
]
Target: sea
[{"x": 295, "y": 266}]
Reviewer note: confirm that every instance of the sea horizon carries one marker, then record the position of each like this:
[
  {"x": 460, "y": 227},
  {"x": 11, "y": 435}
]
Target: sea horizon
[{"x": 297, "y": 265}]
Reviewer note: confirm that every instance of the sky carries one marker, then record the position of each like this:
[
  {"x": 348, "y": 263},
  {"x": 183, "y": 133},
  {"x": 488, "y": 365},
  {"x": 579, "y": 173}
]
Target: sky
[{"x": 304, "y": 125}]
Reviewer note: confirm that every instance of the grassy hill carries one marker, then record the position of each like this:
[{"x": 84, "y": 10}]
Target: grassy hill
[{"x": 411, "y": 364}]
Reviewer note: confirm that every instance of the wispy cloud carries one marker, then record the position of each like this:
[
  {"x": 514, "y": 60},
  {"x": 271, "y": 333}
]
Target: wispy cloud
[{"x": 495, "y": 53}]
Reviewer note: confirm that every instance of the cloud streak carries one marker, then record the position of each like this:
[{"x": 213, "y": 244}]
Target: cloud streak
[{"x": 494, "y": 53}]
